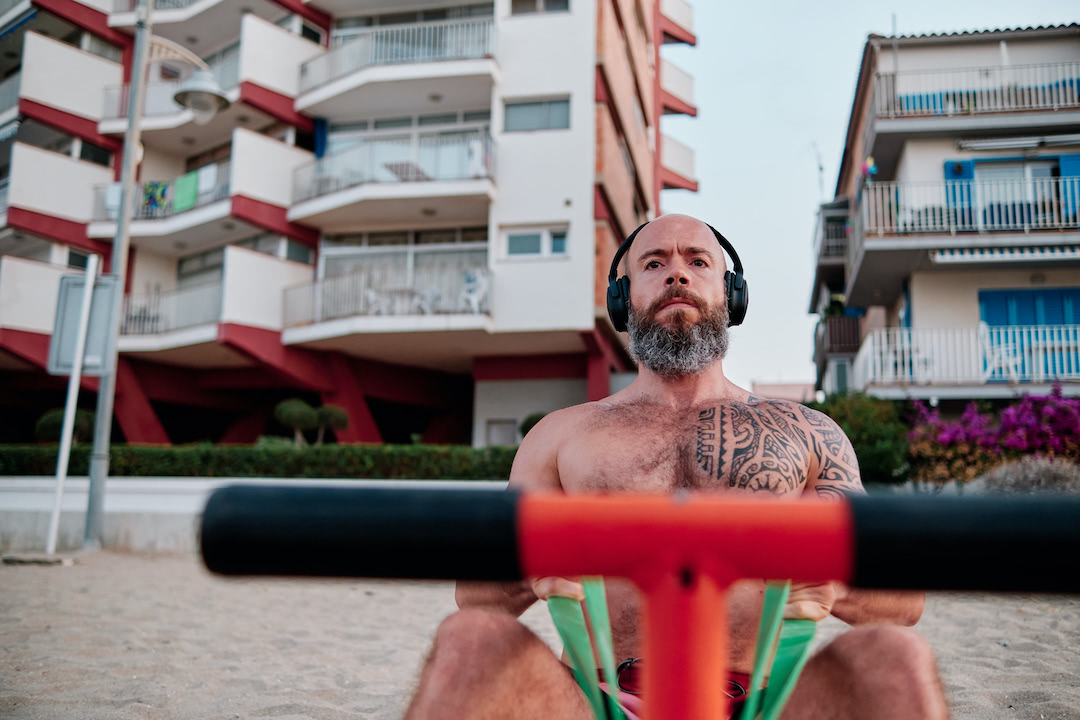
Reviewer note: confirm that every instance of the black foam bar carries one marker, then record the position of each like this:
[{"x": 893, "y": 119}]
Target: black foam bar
[
  {"x": 370, "y": 532},
  {"x": 992, "y": 543}
]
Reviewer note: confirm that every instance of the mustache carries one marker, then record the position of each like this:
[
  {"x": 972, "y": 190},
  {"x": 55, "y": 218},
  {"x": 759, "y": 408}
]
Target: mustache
[{"x": 676, "y": 292}]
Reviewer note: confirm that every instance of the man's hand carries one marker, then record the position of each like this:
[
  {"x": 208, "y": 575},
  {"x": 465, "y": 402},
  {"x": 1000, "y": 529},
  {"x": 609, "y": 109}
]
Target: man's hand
[
  {"x": 552, "y": 586},
  {"x": 813, "y": 601}
]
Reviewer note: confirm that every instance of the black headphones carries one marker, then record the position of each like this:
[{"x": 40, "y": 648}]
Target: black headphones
[{"x": 618, "y": 294}]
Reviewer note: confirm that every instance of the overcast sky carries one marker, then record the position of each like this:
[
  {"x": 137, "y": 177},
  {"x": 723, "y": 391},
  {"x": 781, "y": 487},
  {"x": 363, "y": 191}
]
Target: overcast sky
[{"x": 771, "y": 79}]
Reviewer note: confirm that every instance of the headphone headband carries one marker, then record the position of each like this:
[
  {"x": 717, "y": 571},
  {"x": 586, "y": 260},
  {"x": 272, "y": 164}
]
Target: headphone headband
[{"x": 625, "y": 247}]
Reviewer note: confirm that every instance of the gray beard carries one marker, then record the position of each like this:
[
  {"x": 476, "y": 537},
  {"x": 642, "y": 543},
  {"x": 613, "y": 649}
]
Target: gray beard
[{"x": 678, "y": 348}]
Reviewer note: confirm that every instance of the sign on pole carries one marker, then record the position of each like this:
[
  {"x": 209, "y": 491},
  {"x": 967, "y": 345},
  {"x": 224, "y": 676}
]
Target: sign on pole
[{"x": 66, "y": 330}]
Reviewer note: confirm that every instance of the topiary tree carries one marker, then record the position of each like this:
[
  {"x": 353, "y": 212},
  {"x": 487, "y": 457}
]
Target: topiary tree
[
  {"x": 529, "y": 422},
  {"x": 330, "y": 416},
  {"x": 49, "y": 425},
  {"x": 297, "y": 415}
]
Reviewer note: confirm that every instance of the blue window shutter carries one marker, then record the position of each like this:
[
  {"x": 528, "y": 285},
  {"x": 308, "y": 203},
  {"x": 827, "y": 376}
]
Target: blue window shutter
[
  {"x": 1069, "y": 169},
  {"x": 958, "y": 195},
  {"x": 993, "y": 308},
  {"x": 320, "y": 137}
]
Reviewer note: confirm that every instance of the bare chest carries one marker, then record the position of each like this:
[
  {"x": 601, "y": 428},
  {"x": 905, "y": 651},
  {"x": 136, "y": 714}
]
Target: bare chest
[{"x": 761, "y": 447}]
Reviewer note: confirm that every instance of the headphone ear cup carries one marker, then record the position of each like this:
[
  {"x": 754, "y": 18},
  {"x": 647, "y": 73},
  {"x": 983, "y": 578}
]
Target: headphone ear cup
[
  {"x": 618, "y": 302},
  {"x": 738, "y": 298}
]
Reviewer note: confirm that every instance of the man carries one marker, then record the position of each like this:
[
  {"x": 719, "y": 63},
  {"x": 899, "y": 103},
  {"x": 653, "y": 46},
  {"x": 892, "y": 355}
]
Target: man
[{"x": 485, "y": 664}]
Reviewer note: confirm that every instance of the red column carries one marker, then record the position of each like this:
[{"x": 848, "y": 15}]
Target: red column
[
  {"x": 246, "y": 429},
  {"x": 133, "y": 410},
  {"x": 599, "y": 378},
  {"x": 347, "y": 394}
]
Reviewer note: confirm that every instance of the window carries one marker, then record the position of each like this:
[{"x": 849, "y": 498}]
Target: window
[
  {"x": 267, "y": 243},
  {"x": 298, "y": 253},
  {"x": 309, "y": 32},
  {"x": 501, "y": 432},
  {"x": 201, "y": 268},
  {"x": 539, "y": 115},
  {"x": 95, "y": 154},
  {"x": 386, "y": 123},
  {"x": 536, "y": 242},
  {"x": 521, "y": 7},
  {"x": 77, "y": 259}
]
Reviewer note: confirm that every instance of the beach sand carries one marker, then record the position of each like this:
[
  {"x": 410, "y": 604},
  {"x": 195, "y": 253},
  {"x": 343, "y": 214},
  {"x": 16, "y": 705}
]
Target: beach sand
[{"x": 148, "y": 637}]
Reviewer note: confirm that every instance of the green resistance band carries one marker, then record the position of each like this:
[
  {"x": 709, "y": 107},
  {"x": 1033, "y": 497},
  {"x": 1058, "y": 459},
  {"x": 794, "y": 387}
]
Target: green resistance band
[{"x": 791, "y": 640}]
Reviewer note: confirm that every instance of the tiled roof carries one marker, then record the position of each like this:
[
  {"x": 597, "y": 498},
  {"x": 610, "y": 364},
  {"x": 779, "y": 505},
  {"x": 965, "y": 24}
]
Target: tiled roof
[{"x": 978, "y": 33}]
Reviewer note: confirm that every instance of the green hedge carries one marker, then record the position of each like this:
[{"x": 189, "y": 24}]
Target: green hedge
[{"x": 449, "y": 462}]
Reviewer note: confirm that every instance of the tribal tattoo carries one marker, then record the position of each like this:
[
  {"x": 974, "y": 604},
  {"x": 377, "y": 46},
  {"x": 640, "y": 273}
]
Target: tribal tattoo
[{"x": 775, "y": 447}]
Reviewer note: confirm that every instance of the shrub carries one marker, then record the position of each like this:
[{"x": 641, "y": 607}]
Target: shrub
[
  {"x": 529, "y": 422},
  {"x": 1042, "y": 426},
  {"x": 452, "y": 462},
  {"x": 298, "y": 416},
  {"x": 50, "y": 424},
  {"x": 330, "y": 416},
  {"x": 876, "y": 432}
]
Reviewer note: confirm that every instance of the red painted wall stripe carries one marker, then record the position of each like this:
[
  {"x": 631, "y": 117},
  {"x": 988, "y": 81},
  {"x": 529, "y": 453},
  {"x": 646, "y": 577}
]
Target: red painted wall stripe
[
  {"x": 275, "y": 104},
  {"x": 346, "y": 393},
  {"x": 85, "y": 128},
  {"x": 676, "y": 32},
  {"x": 33, "y": 348},
  {"x": 302, "y": 368},
  {"x": 530, "y": 367},
  {"x": 61, "y": 230},
  {"x": 323, "y": 20},
  {"x": 133, "y": 410},
  {"x": 674, "y": 181},
  {"x": 86, "y": 18},
  {"x": 273, "y": 218},
  {"x": 673, "y": 104}
]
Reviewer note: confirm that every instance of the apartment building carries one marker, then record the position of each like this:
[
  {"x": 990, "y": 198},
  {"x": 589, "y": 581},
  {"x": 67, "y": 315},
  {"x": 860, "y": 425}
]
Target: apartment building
[
  {"x": 407, "y": 209},
  {"x": 947, "y": 267}
]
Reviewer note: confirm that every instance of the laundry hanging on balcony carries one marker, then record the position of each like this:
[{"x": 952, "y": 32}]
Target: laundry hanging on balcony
[
  {"x": 186, "y": 193},
  {"x": 155, "y": 195}
]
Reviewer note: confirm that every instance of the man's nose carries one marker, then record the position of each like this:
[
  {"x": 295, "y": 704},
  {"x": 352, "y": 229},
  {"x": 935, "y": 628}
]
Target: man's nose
[{"x": 677, "y": 276}]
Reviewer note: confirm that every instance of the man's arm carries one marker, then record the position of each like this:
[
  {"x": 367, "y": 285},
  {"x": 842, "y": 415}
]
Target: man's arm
[
  {"x": 834, "y": 475},
  {"x": 535, "y": 469}
]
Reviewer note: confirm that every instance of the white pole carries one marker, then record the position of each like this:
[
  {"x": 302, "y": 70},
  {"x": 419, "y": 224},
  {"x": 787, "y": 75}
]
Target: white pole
[{"x": 72, "y": 399}]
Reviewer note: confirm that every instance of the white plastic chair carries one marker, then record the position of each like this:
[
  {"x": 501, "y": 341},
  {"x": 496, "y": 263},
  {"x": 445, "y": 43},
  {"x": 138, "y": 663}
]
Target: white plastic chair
[
  {"x": 474, "y": 292},
  {"x": 998, "y": 356}
]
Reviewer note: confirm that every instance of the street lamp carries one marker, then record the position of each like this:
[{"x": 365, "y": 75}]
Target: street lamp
[{"x": 204, "y": 97}]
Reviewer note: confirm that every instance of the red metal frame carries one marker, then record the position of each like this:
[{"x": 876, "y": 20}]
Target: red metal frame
[{"x": 683, "y": 553}]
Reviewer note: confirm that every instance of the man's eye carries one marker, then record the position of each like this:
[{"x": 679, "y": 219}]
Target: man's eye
[
  {"x": 652, "y": 265},
  {"x": 700, "y": 262}
]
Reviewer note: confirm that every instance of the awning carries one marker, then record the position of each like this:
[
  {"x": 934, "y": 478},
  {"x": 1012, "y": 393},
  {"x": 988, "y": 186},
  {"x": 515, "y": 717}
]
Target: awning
[{"x": 1042, "y": 253}]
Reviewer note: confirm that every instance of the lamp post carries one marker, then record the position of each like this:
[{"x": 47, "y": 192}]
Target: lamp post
[{"x": 202, "y": 95}]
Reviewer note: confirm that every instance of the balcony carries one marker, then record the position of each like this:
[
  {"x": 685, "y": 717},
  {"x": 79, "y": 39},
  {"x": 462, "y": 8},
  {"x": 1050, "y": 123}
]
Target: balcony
[
  {"x": 379, "y": 180},
  {"x": 180, "y": 326},
  {"x": 159, "y": 95},
  {"x": 677, "y": 165},
  {"x": 677, "y": 22},
  {"x": 56, "y": 76},
  {"x": 983, "y": 221},
  {"x": 974, "y": 101},
  {"x": 158, "y": 200},
  {"x": 28, "y": 293},
  {"x": 9, "y": 99},
  {"x": 212, "y": 23},
  {"x": 677, "y": 90},
  {"x": 835, "y": 335},
  {"x": 397, "y": 68},
  {"x": 988, "y": 361}
]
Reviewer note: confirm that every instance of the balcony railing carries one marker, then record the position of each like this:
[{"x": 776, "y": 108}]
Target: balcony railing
[
  {"x": 677, "y": 157},
  {"x": 834, "y": 240},
  {"x": 444, "y": 288},
  {"x": 4, "y": 183},
  {"x": 677, "y": 81},
  {"x": 839, "y": 334},
  {"x": 971, "y": 205},
  {"x": 9, "y": 93},
  {"x": 157, "y": 200},
  {"x": 979, "y": 90},
  {"x": 457, "y": 155},
  {"x": 130, "y": 5},
  {"x": 6, "y": 5},
  {"x": 398, "y": 44},
  {"x": 174, "y": 310},
  {"x": 159, "y": 96},
  {"x": 1017, "y": 354}
]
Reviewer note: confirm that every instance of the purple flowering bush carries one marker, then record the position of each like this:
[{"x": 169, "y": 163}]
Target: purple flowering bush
[{"x": 1040, "y": 426}]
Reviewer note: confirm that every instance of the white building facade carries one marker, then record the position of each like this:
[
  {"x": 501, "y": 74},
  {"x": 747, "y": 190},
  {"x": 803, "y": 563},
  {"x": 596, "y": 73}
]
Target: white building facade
[
  {"x": 407, "y": 210},
  {"x": 948, "y": 265}
]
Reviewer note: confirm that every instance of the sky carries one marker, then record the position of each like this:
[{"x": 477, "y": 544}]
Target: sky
[{"x": 772, "y": 79}]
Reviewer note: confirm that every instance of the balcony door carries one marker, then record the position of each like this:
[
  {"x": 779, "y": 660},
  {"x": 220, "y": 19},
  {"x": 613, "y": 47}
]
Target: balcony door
[
  {"x": 1011, "y": 196},
  {"x": 1036, "y": 331}
]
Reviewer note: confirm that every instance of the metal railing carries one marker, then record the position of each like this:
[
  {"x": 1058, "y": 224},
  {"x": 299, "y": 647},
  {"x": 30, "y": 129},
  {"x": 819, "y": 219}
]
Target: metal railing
[
  {"x": 677, "y": 81},
  {"x": 130, "y": 5},
  {"x": 447, "y": 287},
  {"x": 839, "y": 334},
  {"x": 157, "y": 200},
  {"x": 974, "y": 91},
  {"x": 835, "y": 239},
  {"x": 9, "y": 92},
  {"x": 453, "y": 155},
  {"x": 4, "y": 184},
  {"x": 971, "y": 205},
  {"x": 174, "y": 310},
  {"x": 159, "y": 95},
  {"x": 398, "y": 44},
  {"x": 1017, "y": 354}
]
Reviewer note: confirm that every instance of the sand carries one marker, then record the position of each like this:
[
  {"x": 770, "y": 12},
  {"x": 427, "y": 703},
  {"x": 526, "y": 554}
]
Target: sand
[{"x": 148, "y": 637}]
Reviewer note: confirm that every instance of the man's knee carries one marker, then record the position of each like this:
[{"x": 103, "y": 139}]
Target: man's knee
[
  {"x": 893, "y": 661},
  {"x": 478, "y": 636}
]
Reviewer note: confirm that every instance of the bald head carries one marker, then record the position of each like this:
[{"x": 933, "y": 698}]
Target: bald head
[{"x": 671, "y": 230}]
